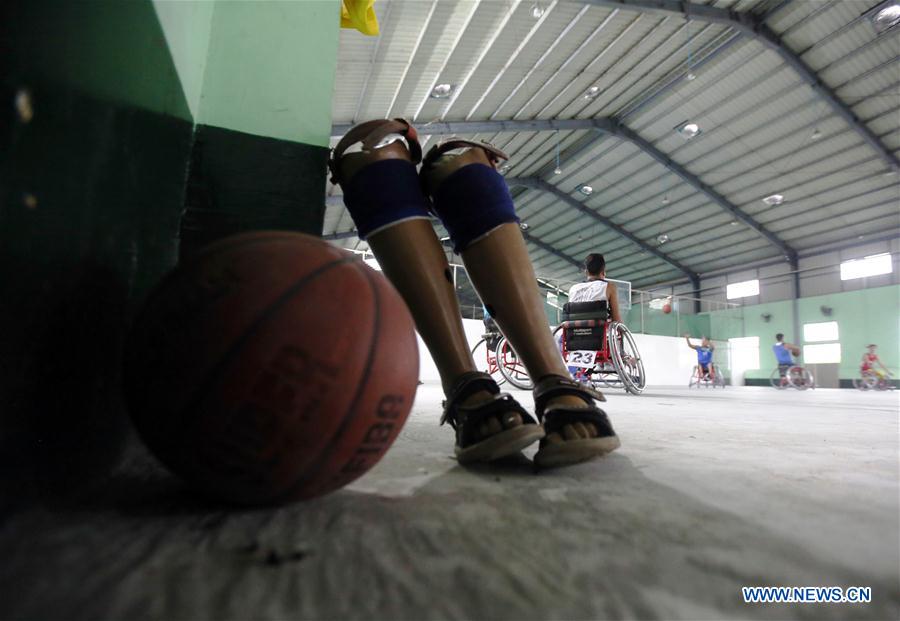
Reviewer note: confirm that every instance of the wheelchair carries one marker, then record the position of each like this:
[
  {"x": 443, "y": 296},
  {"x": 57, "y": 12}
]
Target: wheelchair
[
  {"x": 872, "y": 380},
  {"x": 714, "y": 379},
  {"x": 795, "y": 376},
  {"x": 485, "y": 351},
  {"x": 602, "y": 351}
]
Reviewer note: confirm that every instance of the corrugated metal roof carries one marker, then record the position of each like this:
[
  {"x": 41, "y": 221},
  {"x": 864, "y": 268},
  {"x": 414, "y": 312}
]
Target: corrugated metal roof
[{"x": 764, "y": 129}]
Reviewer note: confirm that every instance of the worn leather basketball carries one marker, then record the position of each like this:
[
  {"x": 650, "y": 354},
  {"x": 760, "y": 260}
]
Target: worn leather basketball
[{"x": 271, "y": 367}]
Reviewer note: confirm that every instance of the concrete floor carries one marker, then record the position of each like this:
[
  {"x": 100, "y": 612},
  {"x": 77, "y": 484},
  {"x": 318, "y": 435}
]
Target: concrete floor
[{"x": 711, "y": 491}]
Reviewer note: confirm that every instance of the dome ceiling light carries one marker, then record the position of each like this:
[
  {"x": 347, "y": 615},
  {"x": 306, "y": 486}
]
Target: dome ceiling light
[
  {"x": 442, "y": 91},
  {"x": 688, "y": 130},
  {"x": 885, "y": 16}
]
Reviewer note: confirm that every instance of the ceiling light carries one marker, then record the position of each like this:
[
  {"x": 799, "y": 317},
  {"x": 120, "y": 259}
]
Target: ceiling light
[
  {"x": 586, "y": 190},
  {"x": 557, "y": 171},
  {"x": 890, "y": 173},
  {"x": 537, "y": 11},
  {"x": 816, "y": 134},
  {"x": 505, "y": 168},
  {"x": 690, "y": 76},
  {"x": 441, "y": 91},
  {"x": 24, "y": 106},
  {"x": 886, "y": 17},
  {"x": 662, "y": 238},
  {"x": 592, "y": 92},
  {"x": 524, "y": 226},
  {"x": 688, "y": 130},
  {"x": 666, "y": 199},
  {"x": 734, "y": 223},
  {"x": 775, "y": 199}
]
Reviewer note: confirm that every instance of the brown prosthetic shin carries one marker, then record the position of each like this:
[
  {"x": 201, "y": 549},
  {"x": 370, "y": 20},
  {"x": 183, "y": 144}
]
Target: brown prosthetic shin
[
  {"x": 412, "y": 257},
  {"x": 499, "y": 267}
]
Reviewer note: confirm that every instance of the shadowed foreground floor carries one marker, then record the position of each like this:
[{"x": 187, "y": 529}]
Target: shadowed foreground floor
[{"x": 711, "y": 491}]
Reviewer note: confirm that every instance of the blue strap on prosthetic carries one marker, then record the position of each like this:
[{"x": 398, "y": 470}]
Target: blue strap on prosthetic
[
  {"x": 472, "y": 201},
  {"x": 382, "y": 193}
]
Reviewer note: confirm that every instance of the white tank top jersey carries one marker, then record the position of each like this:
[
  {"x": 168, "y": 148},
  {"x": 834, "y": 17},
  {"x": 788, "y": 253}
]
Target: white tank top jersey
[{"x": 590, "y": 291}]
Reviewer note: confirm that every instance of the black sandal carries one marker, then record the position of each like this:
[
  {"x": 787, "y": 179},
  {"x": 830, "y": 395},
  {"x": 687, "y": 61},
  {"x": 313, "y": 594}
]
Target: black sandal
[
  {"x": 554, "y": 419},
  {"x": 466, "y": 420}
]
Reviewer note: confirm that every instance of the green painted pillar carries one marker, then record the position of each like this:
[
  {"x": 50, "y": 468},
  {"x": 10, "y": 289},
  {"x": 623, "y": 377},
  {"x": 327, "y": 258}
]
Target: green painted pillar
[
  {"x": 132, "y": 131},
  {"x": 263, "y": 120}
]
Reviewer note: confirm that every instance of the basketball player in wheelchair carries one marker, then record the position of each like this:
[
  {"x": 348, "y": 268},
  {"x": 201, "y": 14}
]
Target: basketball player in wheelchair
[{"x": 597, "y": 346}]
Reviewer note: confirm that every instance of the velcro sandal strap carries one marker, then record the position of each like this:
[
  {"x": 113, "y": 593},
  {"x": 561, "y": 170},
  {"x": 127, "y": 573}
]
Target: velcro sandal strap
[
  {"x": 370, "y": 134},
  {"x": 556, "y": 419},
  {"x": 467, "y": 419},
  {"x": 493, "y": 153},
  {"x": 552, "y": 386},
  {"x": 466, "y": 385}
]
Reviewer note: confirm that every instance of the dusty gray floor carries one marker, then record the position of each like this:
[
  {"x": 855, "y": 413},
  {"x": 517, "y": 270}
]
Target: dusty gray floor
[{"x": 711, "y": 491}]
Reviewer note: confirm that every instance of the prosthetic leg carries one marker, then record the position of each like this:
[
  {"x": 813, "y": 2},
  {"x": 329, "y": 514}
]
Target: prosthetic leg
[
  {"x": 375, "y": 165},
  {"x": 474, "y": 203}
]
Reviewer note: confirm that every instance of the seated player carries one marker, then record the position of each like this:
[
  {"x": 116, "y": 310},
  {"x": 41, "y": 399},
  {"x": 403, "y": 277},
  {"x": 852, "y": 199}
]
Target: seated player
[
  {"x": 391, "y": 204},
  {"x": 783, "y": 355},
  {"x": 595, "y": 289},
  {"x": 704, "y": 356},
  {"x": 869, "y": 360}
]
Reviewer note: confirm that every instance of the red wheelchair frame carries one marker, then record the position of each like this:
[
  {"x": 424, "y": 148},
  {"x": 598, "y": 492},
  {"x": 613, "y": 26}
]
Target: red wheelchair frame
[{"x": 617, "y": 363}]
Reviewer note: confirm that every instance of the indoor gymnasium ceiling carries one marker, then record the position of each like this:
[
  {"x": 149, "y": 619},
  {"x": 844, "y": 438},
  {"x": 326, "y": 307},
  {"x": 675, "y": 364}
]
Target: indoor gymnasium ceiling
[{"x": 791, "y": 98}]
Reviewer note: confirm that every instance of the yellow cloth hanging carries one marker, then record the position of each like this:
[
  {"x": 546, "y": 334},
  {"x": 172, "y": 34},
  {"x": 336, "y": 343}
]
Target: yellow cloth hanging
[{"x": 359, "y": 14}]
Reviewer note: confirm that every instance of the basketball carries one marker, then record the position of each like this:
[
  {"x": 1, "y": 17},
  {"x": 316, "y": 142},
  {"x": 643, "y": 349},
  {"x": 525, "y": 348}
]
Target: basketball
[
  {"x": 667, "y": 308},
  {"x": 271, "y": 367}
]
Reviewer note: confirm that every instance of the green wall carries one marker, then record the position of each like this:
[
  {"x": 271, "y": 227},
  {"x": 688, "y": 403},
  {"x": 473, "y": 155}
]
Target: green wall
[
  {"x": 863, "y": 317},
  {"x": 654, "y": 321},
  {"x": 260, "y": 67},
  {"x": 187, "y": 26},
  {"x": 270, "y": 69}
]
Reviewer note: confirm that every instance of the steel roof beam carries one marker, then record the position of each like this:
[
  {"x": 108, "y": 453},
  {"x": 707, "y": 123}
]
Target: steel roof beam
[
  {"x": 619, "y": 130},
  {"x": 542, "y": 186},
  {"x": 755, "y": 28},
  {"x": 445, "y": 128}
]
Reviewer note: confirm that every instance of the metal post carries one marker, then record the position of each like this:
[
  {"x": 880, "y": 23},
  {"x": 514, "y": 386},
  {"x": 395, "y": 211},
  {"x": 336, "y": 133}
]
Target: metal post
[
  {"x": 795, "y": 303},
  {"x": 642, "y": 312},
  {"x": 677, "y": 320}
]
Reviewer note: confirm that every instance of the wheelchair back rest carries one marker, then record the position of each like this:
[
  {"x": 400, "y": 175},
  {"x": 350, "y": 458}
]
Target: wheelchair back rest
[
  {"x": 584, "y": 335},
  {"x": 574, "y": 311}
]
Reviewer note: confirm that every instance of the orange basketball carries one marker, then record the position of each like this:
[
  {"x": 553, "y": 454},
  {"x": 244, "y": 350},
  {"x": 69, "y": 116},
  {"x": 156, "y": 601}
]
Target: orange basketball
[
  {"x": 271, "y": 367},
  {"x": 667, "y": 308}
]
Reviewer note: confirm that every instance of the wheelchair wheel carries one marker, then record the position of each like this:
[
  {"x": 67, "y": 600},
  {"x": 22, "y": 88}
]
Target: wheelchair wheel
[
  {"x": 511, "y": 368},
  {"x": 695, "y": 378},
  {"x": 626, "y": 358},
  {"x": 800, "y": 378},
  {"x": 719, "y": 379},
  {"x": 775, "y": 380},
  {"x": 486, "y": 361}
]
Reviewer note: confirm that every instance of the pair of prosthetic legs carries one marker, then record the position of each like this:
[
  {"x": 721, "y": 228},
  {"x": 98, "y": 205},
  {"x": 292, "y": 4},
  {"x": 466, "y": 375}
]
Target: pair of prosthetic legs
[{"x": 375, "y": 166}]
